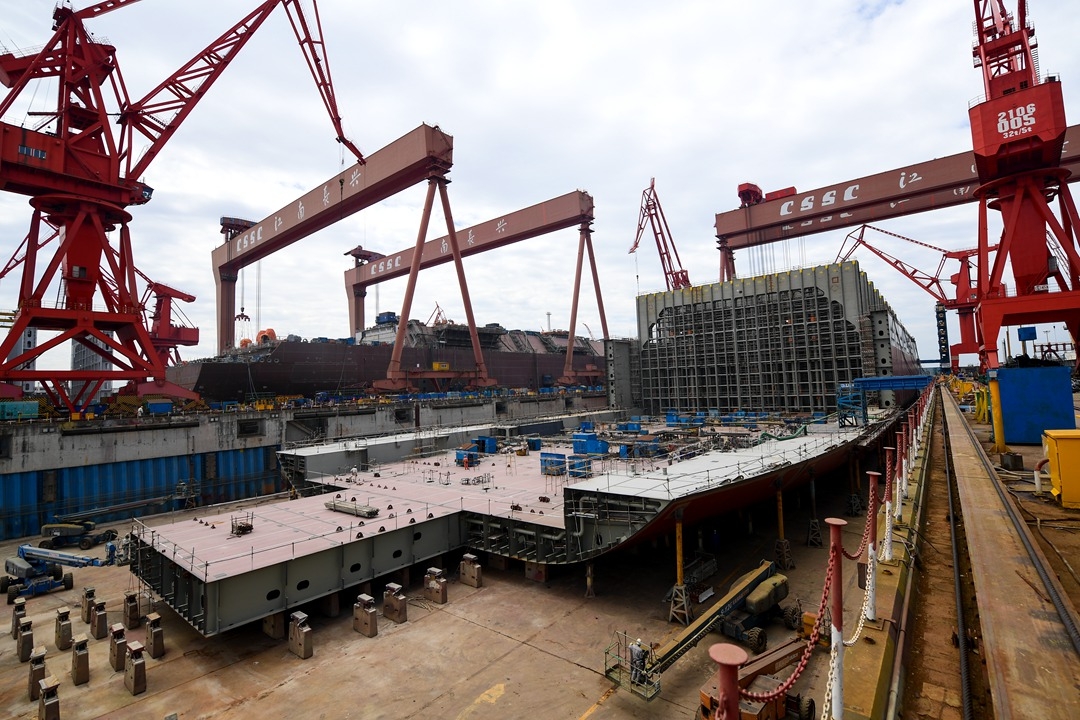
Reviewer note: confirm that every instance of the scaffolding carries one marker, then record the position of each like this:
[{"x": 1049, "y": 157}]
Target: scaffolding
[{"x": 779, "y": 343}]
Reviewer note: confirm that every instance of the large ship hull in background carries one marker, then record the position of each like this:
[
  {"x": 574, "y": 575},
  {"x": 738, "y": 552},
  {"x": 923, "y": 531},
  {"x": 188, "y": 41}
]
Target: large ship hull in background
[{"x": 515, "y": 359}]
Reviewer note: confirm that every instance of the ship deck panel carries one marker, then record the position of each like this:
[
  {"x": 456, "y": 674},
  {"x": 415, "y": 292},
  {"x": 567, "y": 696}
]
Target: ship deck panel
[{"x": 416, "y": 490}]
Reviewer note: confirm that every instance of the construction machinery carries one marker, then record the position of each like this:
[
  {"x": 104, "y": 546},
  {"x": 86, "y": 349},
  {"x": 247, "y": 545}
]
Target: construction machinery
[
  {"x": 1020, "y": 168},
  {"x": 963, "y": 299},
  {"x": 758, "y": 677},
  {"x": 741, "y": 614},
  {"x": 83, "y": 533},
  {"x": 36, "y": 570}
]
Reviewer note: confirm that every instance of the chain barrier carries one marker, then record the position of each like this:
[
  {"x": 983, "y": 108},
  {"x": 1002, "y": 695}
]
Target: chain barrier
[
  {"x": 826, "y": 705},
  {"x": 811, "y": 642},
  {"x": 871, "y": 511},
  {"x": 865, "y": 604}
]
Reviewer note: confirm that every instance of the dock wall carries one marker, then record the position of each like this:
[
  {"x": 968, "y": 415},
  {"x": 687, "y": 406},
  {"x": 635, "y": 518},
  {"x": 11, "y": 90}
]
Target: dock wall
[{"x": 132, "y": 466}]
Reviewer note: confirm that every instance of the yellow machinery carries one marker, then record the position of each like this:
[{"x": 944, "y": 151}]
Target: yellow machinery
[{"x": 1062, "y": 448}]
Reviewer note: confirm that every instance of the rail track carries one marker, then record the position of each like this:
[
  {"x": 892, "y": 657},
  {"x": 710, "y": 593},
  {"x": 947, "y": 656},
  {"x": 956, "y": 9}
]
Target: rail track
[{"x": 1010, "y": 601}]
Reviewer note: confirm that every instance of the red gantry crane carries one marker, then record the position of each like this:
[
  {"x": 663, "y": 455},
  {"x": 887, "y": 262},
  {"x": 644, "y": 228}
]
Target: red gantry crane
[
  {"x": 1024, "y": 156},
  {"x": 653, "y": 215},
  {"x": 81, "y": 176},
  {"x": 564, "y": 211},
  {"x": 1021, "y": 164}
]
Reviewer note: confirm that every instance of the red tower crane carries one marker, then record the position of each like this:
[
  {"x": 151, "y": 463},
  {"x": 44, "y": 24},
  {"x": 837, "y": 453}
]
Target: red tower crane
[
  {"x": 653, "y": 214},
  {"x": 1024, "y": 156},
  {"x": 964, "y": 299},
  {"x": 81, "y": 178},
  {"x": 1018, "y": 133}
]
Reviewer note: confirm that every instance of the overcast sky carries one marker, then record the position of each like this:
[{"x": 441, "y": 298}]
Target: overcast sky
[{"x": 542, "y": 99}]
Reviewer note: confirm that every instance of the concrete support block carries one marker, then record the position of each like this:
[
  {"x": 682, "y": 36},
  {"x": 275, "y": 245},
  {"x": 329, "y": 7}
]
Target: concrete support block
[
  {"x": 365, "y": 618},
  {"x": 470, "y": 572},
  {"x": 537, "y": 572},
  {"x": 498, "y": 562},
  {"x": 62, "y": 632},
  {"x": 274, "y": 625},
  {"x": 300, "y": 640},
  {"x": 117, "y": 647},
  {"x": 395, "y": 606},
  {"x": 132, "y": 615},
  {"x": 49, "y": 699},
  {"x": 155, "y": 636},
  {"x": 330, "y": 605},
  {"x": 37, "y": 672},
  {"x": 80, "y": 660},
  {"x": 135, "y": 669},
  {"x": 99, "y": 621},
  {"x": 402, "y": 576},
  {"x": 435, "y": 586},
  {"x": 18, "y": 612},
  {"x": 86, "y": 604},
  {"x": 24, "y": 643}
]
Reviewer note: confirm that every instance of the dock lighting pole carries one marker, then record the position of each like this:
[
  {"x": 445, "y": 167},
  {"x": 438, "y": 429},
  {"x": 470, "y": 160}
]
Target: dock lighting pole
[
  {"x": 680, "y": 601},
  {"x": 836, "y": 672}
]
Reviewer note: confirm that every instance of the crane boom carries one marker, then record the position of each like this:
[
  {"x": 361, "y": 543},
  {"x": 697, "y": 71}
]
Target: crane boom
[
  {"x": 82, "y": 176},
  {"x": 652, "y": 214},
  {"x": 965, "y": 300},
  {"x": 160, "y": 113},
  {"x": 99, "y": 9}
]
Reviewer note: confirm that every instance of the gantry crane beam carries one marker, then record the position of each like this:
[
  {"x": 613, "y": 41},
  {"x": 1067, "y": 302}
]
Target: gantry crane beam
[
  {"x": 565, "y": 211},
  {"x": 423, "y": 153},
  {"x": 944, "y": 182}
]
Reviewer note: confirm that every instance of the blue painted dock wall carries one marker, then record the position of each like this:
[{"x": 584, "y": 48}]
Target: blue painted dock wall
[
  {"x": 33, "y": 498},
  {"x": 49, "y": 468}
]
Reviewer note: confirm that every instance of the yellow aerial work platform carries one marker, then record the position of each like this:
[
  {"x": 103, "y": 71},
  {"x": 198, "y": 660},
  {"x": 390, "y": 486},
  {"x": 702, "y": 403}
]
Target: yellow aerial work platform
[{"x": 1062, "y": 447}]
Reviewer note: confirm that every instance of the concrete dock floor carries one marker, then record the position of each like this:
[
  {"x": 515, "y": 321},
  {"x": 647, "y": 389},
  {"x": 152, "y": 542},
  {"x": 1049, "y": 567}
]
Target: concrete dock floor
[{"x": 512, "y": 648}]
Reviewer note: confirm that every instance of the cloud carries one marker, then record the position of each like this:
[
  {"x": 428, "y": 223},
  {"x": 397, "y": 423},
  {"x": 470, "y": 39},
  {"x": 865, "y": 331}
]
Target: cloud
[{"x": 543, "y": 99}]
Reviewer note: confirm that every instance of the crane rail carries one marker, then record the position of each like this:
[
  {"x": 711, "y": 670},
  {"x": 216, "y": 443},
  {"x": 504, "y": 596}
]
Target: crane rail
[{"x": 1018, "y": 616}]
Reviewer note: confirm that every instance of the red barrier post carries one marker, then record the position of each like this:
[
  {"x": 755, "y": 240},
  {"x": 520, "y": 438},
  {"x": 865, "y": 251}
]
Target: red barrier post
[
  {"x": 728, "y": 658},
  {"x": 836, "y": 600}
]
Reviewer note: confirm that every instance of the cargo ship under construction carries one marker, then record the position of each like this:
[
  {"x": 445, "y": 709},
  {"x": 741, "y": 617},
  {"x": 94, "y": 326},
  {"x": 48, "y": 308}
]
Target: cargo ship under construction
[
  {"x": 376, "y": 506},
  {"x": 293, "y": 366}
]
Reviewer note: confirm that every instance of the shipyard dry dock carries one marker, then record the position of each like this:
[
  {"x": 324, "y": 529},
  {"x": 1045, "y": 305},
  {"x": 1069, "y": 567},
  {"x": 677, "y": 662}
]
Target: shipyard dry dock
[
  {"x": 517, "y": 647},
  {"x": 553, "y": 504},
  {"x": 494, "y": 651}
]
